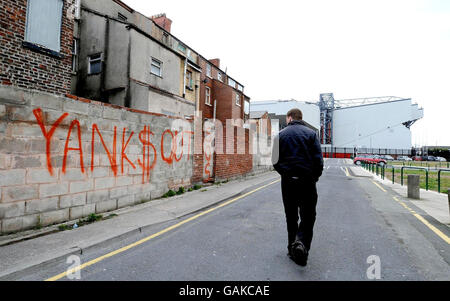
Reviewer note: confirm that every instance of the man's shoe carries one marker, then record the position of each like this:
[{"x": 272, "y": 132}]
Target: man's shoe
[{"x": 298, "y": 253}]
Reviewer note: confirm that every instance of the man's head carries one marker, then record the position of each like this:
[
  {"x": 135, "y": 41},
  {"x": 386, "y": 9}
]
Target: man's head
[{"x": 294, "y": 115}]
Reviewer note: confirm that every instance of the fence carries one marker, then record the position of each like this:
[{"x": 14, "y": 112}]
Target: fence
[{"x": 350, "y": 152}]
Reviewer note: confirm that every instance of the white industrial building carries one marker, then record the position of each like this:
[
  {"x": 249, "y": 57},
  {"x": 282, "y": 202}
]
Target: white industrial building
[{"x": 374, "y": 125}]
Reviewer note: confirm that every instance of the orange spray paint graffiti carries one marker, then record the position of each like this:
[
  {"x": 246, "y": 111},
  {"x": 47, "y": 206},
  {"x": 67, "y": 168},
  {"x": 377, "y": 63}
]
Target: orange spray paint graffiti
[
  {"x": 144, "y": 137},
  {"x": 67, "y": 148},
  {"x": 48, "y": 135}
]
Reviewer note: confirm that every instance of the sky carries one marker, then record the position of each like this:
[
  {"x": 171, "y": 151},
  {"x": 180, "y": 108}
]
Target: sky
[{"x": 296, "y": 49}]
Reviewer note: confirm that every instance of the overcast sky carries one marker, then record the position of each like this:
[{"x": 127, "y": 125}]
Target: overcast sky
[{"x": 288, "y": 49}]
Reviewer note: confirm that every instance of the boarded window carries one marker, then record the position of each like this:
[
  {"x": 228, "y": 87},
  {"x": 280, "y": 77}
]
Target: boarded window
[{"x": 44, "y": 19}]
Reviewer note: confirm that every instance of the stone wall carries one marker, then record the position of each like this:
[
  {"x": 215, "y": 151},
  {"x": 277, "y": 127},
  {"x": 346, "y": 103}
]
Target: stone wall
[{"x": 63, "y": 158}]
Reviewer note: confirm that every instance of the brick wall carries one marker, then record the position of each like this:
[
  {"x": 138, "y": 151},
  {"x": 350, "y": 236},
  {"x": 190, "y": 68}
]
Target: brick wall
[
  {"x": 63, "y": 158},
  {"x": 237, "y": 163},
  {"x": 22, "y": 67}
]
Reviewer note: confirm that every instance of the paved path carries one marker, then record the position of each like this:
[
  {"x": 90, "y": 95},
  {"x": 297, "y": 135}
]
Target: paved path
[{"x": 246, "y": 240}]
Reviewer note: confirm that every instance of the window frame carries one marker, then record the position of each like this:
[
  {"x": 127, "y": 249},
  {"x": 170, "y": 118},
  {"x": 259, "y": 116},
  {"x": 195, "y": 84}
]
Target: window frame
[
  {"x": 189, "y": 80},
  {"x": 209, "y": 70},
  {"x": 152, "y": 59},
  {"x": 90, "y": 61},
  {"x": 36, "y": 45},
  {"x": 75, "y": 55},
  {"x": 231, "y": 80},
  {"x": 220, "y": 76},
  {"x": 208, "y": 96},
  {"x": 236, "y": 97}
]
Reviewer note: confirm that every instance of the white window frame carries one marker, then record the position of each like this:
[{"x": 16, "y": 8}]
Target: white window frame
[
  {"x": 240, "y": 88},
  {"x": 208, "y": 96},
  {"x": 77, "y": 9},
  {"x": 75, "y": 55},
  {"x": 232, "y": 81},
  {"x": 238, "y": 97},
  {"x": 209, "y": 70},
  {"x": 157, "y": 64},
  {"x": 220, "y": 76},
  {"x": 90, "y": 61}
]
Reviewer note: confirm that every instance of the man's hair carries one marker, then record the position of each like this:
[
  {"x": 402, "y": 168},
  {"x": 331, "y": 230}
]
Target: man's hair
[{"x": 295, "y": 114}]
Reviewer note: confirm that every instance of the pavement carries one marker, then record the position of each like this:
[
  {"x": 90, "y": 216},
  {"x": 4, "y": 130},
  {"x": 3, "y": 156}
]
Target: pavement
[
  {"x": 239, "y": 234},
  {"x": 433, "y": 203},
  {"x": 50, "y": 247}
]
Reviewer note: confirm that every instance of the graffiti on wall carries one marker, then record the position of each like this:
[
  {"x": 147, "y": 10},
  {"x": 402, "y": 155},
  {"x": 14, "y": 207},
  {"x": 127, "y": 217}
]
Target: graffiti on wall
[{"x": 179, "y": 141}]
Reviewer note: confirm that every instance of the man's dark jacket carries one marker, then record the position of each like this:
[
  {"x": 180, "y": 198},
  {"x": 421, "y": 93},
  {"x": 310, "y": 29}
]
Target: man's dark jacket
[{"x": 297, "y": 152}]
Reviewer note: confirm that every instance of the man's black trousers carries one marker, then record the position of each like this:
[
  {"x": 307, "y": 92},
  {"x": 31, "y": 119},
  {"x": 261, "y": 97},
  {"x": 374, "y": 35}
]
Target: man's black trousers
[{"x": 299, "y": 198}]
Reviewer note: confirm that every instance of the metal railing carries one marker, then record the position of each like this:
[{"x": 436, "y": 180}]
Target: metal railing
[
  {"x": 381, "y": 171},
  {"x": 439, "y": 178},
  {"x": 415, "y": 168}
]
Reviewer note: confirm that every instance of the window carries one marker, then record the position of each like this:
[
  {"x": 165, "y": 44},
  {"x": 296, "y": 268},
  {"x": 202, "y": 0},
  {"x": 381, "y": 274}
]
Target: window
[
  {"x": 240, "y": 88},
  {"x": 238, "y": 99},
  {"x": 208, "y": 70},
  {"x": 44, "y": 20},
  {"x": 75, "y": 55},
  {"x": 219, "y": 76},
  {"x": 165, "y": 38},
  {"x": 246, "y": 107},
  {"x": 182, "y": 48},
  {"x": 122, "y": 17},
  {"x": 95, "y": 63},
  {"x": 231, "y": 82},
  {"x": 208, "y": 96},
  {"x": 189, "y": 81},
  {"x": 156, "y": 67}
]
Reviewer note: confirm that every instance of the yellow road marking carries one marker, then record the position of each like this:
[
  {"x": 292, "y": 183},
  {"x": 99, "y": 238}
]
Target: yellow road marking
[
  {"x": 121, "y": 250},
  {"x": 346, "y": 172},
  {"x": 425, "y": 222},
  {"x": 379, "y": 186}
]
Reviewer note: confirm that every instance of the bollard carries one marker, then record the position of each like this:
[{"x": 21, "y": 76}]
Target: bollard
[
  {"x": 414, "y": 187},
  {"x": 448, "y": 193}
]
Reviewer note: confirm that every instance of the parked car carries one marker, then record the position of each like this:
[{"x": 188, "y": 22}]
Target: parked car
[
  {"x": 404, "y": 158},
  {"x": 441, "y": 159},
  {"x": 429, "y": 158},
  {"x": 359, "y": 159},
  {"x": 417, "y": 158},
  {"x": 387, "y": 158}
]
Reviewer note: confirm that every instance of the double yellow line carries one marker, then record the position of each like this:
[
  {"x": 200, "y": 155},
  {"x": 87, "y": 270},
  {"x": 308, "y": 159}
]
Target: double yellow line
[
  {"x": 140, "y": 242},
  {"x": 424, "y": 221},
  {"x": 419, "y": 217}
]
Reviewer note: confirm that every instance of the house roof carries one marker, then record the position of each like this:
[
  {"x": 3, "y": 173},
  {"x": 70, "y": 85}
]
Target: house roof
[{"x": 257, "y": 114}]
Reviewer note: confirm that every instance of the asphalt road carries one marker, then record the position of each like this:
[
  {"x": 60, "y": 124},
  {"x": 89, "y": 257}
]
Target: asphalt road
[{"x": 246, "y": 240}]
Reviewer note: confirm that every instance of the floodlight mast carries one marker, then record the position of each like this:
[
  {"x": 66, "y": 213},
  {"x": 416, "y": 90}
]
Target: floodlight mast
[{"x": 327, "y": 106}]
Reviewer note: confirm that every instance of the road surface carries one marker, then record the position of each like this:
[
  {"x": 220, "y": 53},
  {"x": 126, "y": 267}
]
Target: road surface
[{"x": 246, "y": 240}]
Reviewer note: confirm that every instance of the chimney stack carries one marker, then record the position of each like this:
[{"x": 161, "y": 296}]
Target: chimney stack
[
  {"x": 163, "y": 21},
  {"x": 215, "y": 62}
]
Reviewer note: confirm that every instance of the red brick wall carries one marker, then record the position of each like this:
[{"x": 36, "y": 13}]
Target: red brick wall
[
  {"x": 25, "y": 68},
  {"x": 234, "y": 165}
]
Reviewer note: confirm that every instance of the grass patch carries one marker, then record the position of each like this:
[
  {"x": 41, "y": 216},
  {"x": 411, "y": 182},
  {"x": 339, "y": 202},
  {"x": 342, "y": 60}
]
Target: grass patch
[{"x": 432, "y": 178}]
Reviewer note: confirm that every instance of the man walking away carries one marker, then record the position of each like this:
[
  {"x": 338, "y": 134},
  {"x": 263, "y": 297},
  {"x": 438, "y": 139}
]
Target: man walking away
[{"x": 297, "y": 157}]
